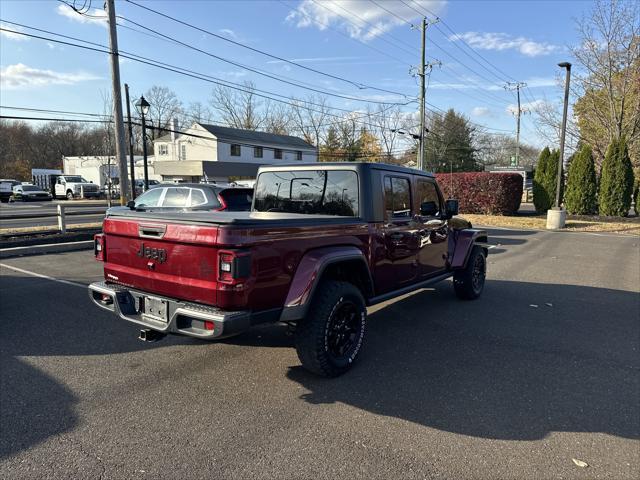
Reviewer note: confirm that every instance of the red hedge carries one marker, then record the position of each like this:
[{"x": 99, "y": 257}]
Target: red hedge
[{"x": 483, "y": 192}]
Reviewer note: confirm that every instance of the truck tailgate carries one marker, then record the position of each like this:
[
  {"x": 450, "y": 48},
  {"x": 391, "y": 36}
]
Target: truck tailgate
[{"x": 170, "y": 259}]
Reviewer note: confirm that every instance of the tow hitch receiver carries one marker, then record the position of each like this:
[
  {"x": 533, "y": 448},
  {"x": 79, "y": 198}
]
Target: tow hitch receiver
[{"x": 148, "y": 335}]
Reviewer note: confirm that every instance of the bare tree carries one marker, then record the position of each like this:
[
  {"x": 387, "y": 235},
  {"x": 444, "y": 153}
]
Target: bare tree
[
  {"x": 165, "y": 106},
  {"x": 197, "y": 112},
  {"x": 239, "y": 108},
  {"x": 387, "y": 123},
  {"x": 278, "y": 119},
  {"x": 310, "y": 118}
]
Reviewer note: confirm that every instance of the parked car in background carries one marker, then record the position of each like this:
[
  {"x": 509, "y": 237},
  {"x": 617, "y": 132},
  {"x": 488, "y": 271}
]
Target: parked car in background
[
  {"x": 28, "y": 191},
  {"x": 194, "y": 197},
  {"x": 6, "y": 188},
  {"x": 140, "y": 185}
]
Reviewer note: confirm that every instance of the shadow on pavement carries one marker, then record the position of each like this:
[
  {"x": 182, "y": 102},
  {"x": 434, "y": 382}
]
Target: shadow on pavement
[
  {"x": 499, "y": 367},
  {"x": 42, "y": 318}
]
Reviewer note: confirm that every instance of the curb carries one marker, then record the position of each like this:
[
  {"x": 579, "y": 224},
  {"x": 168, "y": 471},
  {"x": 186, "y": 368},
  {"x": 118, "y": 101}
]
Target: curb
[{"x": 48, "y": 248}]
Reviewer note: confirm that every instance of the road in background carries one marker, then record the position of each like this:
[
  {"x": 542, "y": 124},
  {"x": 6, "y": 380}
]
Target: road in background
[
  {"x": 20, "y": 208},
  {"x": 543, "y": 369}
]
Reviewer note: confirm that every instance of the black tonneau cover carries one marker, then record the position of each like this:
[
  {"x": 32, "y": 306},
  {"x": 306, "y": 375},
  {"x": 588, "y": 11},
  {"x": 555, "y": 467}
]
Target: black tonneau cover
[{"x": 257, "y": 219}]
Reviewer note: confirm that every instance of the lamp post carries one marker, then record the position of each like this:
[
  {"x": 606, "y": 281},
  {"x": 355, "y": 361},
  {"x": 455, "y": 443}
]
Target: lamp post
[
  {"x": 142, "y": 107},
  {"x": 557, "y": 216}
]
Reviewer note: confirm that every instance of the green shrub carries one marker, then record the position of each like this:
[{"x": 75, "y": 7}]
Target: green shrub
[
  {"x": 581, "y": 194},
  {"x": 541, "y": 200},
  {"x": 616, "y": 180},
  {"x": 636, "y": 194},
  {"x": 551, "y": 179}
]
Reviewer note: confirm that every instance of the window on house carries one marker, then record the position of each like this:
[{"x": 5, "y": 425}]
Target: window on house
[
  {"x": 257, "y": 152},
  {"x": 299, "y": 155},
  {"x": 163, "y": 149},
  {"x": 277, "y": 154},
  {"x": 183, "y": 151},
  {"x": 235, "y": 150}
]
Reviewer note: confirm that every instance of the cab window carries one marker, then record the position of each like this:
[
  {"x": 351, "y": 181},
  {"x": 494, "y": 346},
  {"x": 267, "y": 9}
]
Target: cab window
[
  {"x": 426, "y": 192},
  {"x": 397, "y": 197}
]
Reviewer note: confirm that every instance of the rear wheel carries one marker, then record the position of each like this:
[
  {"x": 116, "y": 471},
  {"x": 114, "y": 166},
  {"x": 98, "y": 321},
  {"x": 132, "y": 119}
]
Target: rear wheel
[
  {"x": 329, "y": 338},
  {"x": 469, "y": 282}
]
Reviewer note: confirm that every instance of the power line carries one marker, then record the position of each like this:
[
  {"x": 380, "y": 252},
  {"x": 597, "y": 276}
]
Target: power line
[
  {"x": 325, "y": 25},
  {"x": 190, "y": 73},
  {"x": 260, "y": 72},
  {"x": 359, "y": 85}
]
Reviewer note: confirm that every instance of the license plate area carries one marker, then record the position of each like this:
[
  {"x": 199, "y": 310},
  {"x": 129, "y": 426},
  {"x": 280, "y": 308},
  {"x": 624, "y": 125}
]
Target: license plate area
[{"x": 155, "y": 309}]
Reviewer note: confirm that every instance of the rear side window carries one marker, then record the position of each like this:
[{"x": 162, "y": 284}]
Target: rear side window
[
  {"x": 176, "y": 197},
  {"x": 237, "y": 199},
  {"x": 312, "y": 192},
  {"x": 397, "y": 197}
]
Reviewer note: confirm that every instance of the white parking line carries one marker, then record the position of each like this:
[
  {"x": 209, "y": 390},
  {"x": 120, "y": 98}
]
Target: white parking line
[{"x": 40, "y": 275}]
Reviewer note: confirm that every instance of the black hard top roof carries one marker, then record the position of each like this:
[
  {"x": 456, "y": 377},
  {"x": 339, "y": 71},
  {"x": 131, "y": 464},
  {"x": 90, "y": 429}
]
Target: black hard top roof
[{"x": 346, "y": 165}]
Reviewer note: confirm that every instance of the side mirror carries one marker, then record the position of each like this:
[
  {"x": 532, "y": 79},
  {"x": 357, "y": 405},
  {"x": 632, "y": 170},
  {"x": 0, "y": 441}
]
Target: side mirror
[
  {"x": 451, "y": 207},
  {"x": 131, "y": 204},
  {"x": 428, "y": 209}
]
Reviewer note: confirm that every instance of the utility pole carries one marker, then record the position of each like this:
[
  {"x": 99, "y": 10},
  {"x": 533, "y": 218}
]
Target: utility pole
[
  {"x": 132, "y": 165},
  {"x": 117, "y": 101},
  {"x": 517, "y": 86},
  {"x": 422, "y": 73},
  {"x": 422, "y": 95}
]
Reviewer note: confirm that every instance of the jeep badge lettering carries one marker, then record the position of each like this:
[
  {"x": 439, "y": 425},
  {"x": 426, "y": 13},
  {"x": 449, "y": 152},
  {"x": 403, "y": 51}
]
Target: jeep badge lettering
[{"x": 159, "y": 254}]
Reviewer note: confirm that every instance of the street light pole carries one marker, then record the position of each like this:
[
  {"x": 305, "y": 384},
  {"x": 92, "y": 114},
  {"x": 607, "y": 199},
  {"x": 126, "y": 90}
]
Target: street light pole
[
  {"x": 142, "y": 106},
  {"x": 557, "y": 216},
  {"x": 566, "y": 65}
]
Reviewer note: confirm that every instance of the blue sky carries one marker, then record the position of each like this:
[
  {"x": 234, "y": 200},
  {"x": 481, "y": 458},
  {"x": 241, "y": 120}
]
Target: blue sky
[{"x": 358, "y": 40}]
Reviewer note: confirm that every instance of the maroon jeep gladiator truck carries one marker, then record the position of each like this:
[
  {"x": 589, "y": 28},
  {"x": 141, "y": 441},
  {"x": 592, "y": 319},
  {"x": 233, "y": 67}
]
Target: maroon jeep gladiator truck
[{"x": 321, "y": 243}]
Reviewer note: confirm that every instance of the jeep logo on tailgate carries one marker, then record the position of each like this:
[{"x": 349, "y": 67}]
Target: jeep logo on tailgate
[{"x": 159, "y": 254}]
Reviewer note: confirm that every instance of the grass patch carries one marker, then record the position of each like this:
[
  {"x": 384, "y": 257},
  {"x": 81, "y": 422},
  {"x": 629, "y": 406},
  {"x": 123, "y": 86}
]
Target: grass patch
[{"x": 575, "y": 223}]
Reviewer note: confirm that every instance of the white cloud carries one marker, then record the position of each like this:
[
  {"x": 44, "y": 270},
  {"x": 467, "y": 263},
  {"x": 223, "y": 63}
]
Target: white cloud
[
  {"x": 480, "y": 112},
  {"x": 504, "y": 41},
  {"x": 228, "y": 32},
  {"x": 93, "y": 16},
  {"x": 530, "y": 107},
  {"x": 362, "y": 20},
  {"x": 20, "y": 75},
  {"x": 11, "y": 35}
]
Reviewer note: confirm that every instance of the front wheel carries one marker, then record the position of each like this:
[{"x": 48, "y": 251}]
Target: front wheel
[
  {"x": 329, "y": 338},
  {"x": 468, "y": 283},
  {"x": 69, "y": 195}
]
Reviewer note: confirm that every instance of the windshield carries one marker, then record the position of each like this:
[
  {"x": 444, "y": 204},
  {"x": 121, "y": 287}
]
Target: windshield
[
  {"x": 312, "y": 192},
  {"x": 31, "y": 188},
  {"x": 75, "y": 179}
]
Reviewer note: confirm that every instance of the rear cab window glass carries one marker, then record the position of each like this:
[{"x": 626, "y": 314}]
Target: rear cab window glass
[
  {"x": 311, "y": 192},
  {"x": 397, "y": 197},
  {"x": 176, "y": 197}
]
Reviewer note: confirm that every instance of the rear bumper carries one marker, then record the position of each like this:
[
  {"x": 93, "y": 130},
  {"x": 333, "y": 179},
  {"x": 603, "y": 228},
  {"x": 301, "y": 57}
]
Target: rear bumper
[{"x": 183, "y": 317}]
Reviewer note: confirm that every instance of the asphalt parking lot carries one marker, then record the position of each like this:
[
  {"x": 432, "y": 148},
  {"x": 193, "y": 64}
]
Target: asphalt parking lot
[{"x": 543, "y": 369}]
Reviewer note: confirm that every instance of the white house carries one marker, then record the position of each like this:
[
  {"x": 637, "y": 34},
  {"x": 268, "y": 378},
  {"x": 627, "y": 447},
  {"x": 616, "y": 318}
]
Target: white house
[{"x": 217, "y": 153}]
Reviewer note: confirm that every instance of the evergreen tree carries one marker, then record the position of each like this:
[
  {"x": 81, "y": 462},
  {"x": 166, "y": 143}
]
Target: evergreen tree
[
  {"x": 616, "y": 180},
  {"x": 581, "y": 196},
  {"x": 541, "y": 199},
  {"x": 551, "y": 178},
  {"x": 330, "y": 149}
]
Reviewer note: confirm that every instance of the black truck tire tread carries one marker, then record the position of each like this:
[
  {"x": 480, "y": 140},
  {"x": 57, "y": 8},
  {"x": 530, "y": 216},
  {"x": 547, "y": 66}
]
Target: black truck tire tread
[
  {"x": 462, "y": 279},
  {"x": 310, "y": 331}
]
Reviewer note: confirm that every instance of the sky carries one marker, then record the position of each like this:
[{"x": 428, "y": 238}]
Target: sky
[{"x": 366, "y": 50}]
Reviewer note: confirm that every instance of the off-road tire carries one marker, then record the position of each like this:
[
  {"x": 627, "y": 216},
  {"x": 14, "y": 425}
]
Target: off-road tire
[
  {"x": 315, "y": 334},
  {"x": 468, "y": 283}
]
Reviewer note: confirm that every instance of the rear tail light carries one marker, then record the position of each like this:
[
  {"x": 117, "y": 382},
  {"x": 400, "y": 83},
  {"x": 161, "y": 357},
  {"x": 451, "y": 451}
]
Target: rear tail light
[
  {"x": 223, "y": 204},
  {"x": 233, "y": 266},
  {"x": 99, "y": 247}
]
